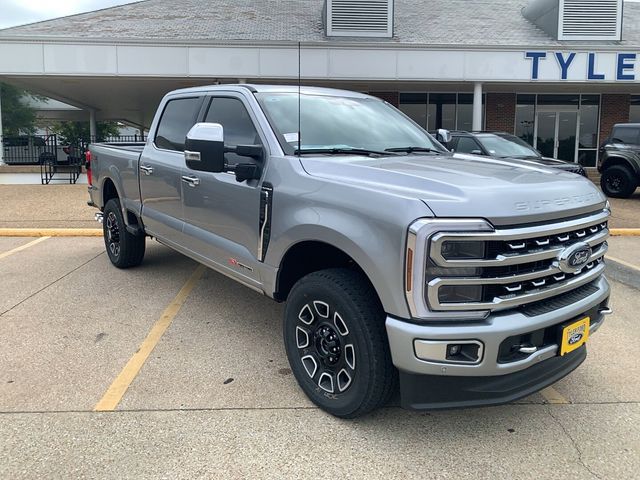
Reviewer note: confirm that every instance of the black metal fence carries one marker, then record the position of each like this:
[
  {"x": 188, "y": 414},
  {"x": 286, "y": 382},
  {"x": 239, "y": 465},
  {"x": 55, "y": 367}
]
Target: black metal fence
[{"x": 40, "y": 149}]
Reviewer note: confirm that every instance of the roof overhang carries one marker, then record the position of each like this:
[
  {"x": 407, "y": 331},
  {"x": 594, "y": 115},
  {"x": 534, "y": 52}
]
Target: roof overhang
[{"x": 125, "y": 80}]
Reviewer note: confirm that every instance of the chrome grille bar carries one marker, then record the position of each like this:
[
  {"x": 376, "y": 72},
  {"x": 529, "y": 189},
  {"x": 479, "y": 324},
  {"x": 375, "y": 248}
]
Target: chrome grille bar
[
  {"x": 529, "y": 264},
  {"x": 511, "y": 279},
  {"x": 503, "y": 303}
]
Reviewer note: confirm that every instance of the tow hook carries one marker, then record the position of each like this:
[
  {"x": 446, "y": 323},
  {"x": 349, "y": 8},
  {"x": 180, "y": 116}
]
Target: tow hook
[
  {"x": 99, "y": 217},
  {"x": 605, "y": 311},
  {"x": 527, "y": 349}
]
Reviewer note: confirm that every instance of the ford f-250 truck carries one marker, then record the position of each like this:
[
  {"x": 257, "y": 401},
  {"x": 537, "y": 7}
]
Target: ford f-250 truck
[{"x": 471, "y": 281}]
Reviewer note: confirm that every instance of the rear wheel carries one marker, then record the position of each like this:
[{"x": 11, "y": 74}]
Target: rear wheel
[
  {"x": 335, "y": 339},
  {"x": 123, "y": 248},
  {"x": 618, "y": 181}
]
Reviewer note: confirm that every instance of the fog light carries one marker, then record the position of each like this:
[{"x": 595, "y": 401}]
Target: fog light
[
  {"x": 463, "y": 352},
  {"x": 453, "y": 350},
  {"x": 449, "y": 351}
]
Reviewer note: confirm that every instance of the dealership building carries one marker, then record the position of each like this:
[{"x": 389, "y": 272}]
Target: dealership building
[{"x": 557, "y": 73}]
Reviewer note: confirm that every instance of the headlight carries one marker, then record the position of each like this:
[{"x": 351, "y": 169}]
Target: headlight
[
  {"x": 419, "y": 269},
  {"x": 454, "y": 250},
  {"x": 460, "y": 293}
]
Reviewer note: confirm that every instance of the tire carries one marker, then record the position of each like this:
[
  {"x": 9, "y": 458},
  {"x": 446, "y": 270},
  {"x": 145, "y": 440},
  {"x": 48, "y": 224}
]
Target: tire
[
  {"x": 123, "y": 248},
  {"x": 618, "y": 181},
  {"x": 338, "y": 308}
]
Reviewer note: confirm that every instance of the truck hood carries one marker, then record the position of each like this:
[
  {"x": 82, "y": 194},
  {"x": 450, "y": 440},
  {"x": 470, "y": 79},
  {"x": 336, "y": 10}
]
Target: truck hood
[{"x": 503, "y": 192}]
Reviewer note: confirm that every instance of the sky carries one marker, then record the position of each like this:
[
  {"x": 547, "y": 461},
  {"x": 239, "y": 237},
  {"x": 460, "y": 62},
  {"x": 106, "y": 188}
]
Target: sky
[{"x": 19, "y": 12}]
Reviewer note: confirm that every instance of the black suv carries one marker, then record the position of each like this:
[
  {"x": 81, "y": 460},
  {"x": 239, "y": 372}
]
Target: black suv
[
  {"x": 619, "y": 161},
  {"x": 506, "y": 146}
]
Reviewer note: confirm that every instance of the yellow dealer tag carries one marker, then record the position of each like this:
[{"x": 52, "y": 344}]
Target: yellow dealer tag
[{"x": 574, "y": 335}]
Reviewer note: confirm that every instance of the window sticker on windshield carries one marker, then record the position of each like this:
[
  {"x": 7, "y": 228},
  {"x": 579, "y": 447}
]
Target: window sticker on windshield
[{"x": 291, "y": 137}]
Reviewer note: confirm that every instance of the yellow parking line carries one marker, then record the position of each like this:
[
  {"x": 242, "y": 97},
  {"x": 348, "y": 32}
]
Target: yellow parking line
[
  {"x": 23, "y": 247},
  {"x": 624, "y": 232},
  {"x": 623, "y": 262},
  {"x": 551, "y": 395},
  {"x": 50, "y": 232},
  {"x": 119, "y": 386}
]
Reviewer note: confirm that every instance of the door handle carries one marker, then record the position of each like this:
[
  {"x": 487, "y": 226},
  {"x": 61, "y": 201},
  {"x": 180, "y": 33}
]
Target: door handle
[
  {"x": 147, "y": 170},
  {"x": 190, "y": 180}
]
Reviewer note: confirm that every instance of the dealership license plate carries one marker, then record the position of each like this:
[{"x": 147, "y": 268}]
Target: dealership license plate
[{"x": 574, "y": 335}]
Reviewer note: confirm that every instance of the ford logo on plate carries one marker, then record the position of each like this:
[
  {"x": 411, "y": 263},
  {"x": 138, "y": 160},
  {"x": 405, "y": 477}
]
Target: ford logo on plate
[
  {"x": 575, "y": 338},
  {"x": 573, "y": 258}
]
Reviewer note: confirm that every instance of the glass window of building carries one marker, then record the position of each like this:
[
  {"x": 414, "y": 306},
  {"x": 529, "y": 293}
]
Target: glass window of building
[
  {"x": 525, "y": 117},
  {"x": 414, "y": 105},
  {"x": 588, "y": 130},
  {"x": 560, "y": 126},
  {"x": 440, "y": 110},
  {"x": 634, "y": 110}
]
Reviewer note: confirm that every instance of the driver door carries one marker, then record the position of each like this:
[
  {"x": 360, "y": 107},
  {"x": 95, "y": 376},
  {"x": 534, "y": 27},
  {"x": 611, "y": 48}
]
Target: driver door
[{"x": 222, "y": 215}]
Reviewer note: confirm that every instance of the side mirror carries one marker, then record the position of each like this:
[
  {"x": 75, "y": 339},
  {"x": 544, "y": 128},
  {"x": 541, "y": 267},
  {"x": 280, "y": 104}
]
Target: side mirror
[
  {"x": 476, "y": 152},
  {"x": 204, "y": 148},
  {"x": 444, "y": 135}
]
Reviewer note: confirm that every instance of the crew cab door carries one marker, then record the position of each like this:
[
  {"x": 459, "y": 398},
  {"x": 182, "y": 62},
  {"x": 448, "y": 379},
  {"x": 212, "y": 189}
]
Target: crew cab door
[
  {"x": 160, "y": 168},
  {"x": 221, "y": 214}
]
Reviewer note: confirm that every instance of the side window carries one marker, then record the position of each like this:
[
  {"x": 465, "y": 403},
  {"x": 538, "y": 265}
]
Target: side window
[
  {"x": 628, "y": 135},
  {"x": 467, "y": 145},
  {"x": 177, "y": 119},
  {"x": 237, "y": 124}
]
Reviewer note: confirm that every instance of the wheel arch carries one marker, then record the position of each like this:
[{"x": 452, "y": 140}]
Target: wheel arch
[
  {"x": 324, "y": 248},
  {"x": 109, "y": 190},
  {"x": 623, "y": 160}
]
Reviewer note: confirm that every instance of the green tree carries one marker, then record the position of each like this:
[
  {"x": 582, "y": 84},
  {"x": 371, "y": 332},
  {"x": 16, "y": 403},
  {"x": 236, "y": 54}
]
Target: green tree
[
  {"x": 17, "y": 116},
  {"x": 70, "y": 132}
]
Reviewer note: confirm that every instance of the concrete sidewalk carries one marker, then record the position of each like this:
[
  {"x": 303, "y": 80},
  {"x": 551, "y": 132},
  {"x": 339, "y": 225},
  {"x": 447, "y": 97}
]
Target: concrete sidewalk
[{"x": 45, "y": 206}]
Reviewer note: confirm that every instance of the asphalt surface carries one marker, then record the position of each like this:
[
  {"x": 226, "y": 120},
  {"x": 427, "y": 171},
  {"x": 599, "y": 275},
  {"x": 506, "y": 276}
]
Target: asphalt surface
[{"x": 215, "y": 398}]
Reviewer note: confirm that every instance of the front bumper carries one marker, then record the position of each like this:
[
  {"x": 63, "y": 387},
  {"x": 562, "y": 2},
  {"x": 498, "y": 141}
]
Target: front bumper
[
  {"x": 429, "y": 392},
  {"x": 490, "y": 334}
]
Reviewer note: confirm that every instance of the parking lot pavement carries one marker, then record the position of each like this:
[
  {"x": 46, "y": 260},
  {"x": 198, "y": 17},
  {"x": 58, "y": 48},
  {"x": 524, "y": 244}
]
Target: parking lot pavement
[
  {"x": 216, "y": 398},
  {"x": 625, "y": 212},
  {"x": 626, "y": 249}
]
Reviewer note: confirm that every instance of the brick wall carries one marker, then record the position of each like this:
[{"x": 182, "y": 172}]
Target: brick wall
[
  {"x": 392, "y": 97},
  {"x": 614, "y": 109},
  {"x": 500, "y": 112}
]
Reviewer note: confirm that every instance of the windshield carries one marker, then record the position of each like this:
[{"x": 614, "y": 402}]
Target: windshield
[
  {"x": 342, "y": 123},
  {"x": 506, "y": 146}
]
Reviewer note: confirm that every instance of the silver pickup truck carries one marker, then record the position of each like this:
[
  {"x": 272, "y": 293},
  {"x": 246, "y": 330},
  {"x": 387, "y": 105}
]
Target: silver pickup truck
[{"x": 467, "y": 281}]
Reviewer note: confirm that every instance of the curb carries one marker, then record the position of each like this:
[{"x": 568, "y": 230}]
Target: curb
[
  {"x": 624, "y": 232},
  {"x": 50, "y": 232}
]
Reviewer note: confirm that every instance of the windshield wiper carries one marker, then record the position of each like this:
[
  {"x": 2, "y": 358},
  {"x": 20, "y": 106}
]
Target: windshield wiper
[
  {"x": 340, "y": 151},
  {"x": 412, "y": 149}
]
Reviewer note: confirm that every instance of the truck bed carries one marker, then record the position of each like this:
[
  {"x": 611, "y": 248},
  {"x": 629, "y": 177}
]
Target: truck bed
[{"x": 123, "y": 158}]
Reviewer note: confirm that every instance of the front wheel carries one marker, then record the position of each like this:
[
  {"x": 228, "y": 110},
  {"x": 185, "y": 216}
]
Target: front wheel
[
  {"x": 334, "y": 334},
  {"x": 123, "y": 248},
  {"x": 618, "y": 182}
]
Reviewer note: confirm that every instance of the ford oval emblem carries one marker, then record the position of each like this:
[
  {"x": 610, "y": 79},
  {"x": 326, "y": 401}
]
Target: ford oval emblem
[
  {"x": 574, "y": 257},
  {"x": 575, "y": 338}
]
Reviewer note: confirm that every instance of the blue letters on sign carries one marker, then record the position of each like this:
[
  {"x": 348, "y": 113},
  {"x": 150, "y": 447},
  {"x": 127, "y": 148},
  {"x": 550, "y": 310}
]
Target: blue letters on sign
[
  {"x": 591, "y": 74},
  {"x": 623, "y": 65},
  {"x": 535, "y": 57},
  {"x": 564, "y": 64}
]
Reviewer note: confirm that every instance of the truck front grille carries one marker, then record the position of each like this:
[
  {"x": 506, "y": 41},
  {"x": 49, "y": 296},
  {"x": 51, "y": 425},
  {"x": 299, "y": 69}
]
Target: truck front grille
[{"x": 511, "y": 267}]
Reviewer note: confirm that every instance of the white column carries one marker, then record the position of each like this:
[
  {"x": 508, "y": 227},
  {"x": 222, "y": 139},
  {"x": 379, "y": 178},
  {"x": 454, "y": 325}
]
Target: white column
[
  {"x": 92, "y": 125},
  {"x": 477, "y": 106},
  {"x": 1, "y": 144}
]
